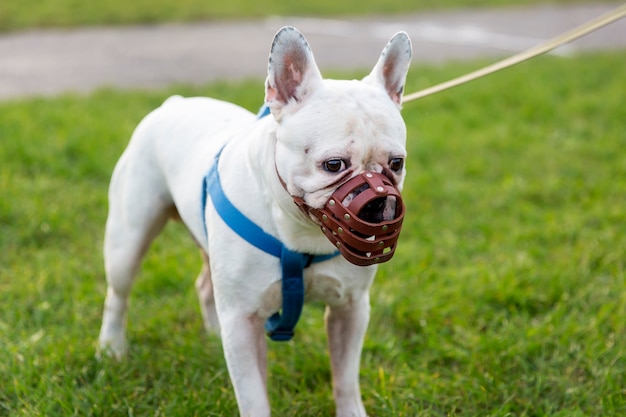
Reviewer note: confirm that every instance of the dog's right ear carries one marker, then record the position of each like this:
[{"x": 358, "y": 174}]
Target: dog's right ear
[{"x": 292, "y": 73}]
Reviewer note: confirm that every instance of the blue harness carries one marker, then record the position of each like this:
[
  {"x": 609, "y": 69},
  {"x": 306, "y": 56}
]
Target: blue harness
[{"x": 279, "y": 327}]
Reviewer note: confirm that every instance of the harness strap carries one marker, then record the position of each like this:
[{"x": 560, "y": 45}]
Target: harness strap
[
  {"x": 279, "y": 327},
  {"x": 234, "y": 218}
]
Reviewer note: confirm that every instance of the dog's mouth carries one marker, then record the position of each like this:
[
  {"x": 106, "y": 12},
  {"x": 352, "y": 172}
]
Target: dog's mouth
[
  {"x": 362, "y": 218},
  {"x": 376, "y": 210}
]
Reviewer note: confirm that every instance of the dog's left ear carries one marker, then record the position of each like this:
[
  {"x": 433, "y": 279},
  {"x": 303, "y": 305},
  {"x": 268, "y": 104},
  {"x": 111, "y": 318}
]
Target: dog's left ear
[
  {"x": 392, "y": 66},
  {"x": 292, "y": 73}
]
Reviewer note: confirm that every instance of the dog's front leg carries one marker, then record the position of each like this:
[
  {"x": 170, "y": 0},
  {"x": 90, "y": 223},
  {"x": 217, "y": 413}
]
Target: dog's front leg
[
  {"x": 245, "y": 349},
  {"x": 346, "y": 327}
]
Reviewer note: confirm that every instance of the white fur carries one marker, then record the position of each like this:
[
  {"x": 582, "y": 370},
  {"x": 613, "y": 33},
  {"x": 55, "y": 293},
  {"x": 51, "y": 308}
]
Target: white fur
[{"x": 160, "y": 174}]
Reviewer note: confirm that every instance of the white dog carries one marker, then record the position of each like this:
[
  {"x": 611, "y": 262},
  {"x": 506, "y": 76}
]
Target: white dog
[{"x": 335, "y": 148}]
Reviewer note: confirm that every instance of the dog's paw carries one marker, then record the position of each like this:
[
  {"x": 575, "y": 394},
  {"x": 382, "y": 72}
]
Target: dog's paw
[{"x": 107, "y": 348}]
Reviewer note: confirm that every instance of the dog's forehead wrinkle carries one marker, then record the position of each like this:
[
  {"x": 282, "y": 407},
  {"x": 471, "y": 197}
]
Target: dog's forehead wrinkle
[{"x": 364, "y": 137}]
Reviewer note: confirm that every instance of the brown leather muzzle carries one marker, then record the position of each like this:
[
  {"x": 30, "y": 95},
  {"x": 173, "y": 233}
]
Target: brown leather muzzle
[{"x": 358, "y": 229}]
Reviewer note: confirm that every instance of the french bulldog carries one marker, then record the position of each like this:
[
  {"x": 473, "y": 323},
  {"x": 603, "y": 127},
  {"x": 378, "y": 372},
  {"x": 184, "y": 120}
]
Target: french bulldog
[{"x": 319, "y": 135}]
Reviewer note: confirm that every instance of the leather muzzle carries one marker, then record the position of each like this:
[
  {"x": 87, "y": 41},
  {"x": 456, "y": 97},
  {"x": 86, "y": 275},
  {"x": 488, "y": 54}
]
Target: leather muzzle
[{"x": 358, "y": 228}]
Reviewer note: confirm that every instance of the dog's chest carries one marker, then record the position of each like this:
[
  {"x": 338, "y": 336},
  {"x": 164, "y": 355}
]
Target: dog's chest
[{"x": 323, "y": 288}]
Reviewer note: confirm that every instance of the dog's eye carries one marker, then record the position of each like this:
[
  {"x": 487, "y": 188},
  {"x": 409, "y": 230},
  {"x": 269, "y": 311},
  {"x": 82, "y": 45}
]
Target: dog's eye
[
  {"x": 334, "y": 165},
  {"x": 396, "y": 164}
]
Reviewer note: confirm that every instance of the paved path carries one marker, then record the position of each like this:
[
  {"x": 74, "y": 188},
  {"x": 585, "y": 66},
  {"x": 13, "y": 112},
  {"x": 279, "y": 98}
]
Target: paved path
[{"x": 54, "y": 61}]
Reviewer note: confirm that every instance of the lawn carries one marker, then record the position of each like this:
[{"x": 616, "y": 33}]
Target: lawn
[
  {"x": 20, "y": 14},
  {"x": 506, "y": 297}
]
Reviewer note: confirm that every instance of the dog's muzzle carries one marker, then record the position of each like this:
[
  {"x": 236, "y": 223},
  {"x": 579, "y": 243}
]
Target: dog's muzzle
[{"x": 362, "y": 218}]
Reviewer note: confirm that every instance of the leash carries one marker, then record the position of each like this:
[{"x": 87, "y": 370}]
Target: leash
[
  {"x": 280, "y": 327},
  {"x": 540, "y": 49}
]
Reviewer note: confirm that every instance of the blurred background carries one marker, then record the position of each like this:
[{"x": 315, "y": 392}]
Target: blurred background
[
  {"x": 506, "y": 296},
  {"x": 53, "y": 46}
]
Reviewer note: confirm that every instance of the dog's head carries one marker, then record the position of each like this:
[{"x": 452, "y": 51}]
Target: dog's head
[{"x": 340, "y": 145}]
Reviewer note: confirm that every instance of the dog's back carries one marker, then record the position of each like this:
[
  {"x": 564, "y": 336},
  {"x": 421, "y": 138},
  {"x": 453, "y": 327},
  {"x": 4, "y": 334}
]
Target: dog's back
[{"x": 169, "y": 153}]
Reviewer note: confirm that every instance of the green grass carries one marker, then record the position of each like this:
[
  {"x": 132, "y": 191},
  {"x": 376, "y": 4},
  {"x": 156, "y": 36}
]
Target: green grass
[
  {"x": 19, "y": 14},
  {"x": 506, "y": 297}
]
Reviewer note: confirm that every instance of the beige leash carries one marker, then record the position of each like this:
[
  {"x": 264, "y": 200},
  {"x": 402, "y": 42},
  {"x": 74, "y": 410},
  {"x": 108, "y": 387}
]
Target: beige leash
[{"x": 547, "y": 46}]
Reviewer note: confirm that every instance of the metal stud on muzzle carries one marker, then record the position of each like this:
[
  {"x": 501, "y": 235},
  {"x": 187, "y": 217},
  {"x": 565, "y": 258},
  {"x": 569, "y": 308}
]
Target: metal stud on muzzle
[{"x": 354, "y": 220}]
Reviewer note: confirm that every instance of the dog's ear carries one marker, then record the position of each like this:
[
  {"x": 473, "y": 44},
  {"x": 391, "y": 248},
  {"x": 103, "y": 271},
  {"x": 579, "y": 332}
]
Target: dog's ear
[
  {"x": 292, "y": 73},
  {"x": 392, "y": 66}
]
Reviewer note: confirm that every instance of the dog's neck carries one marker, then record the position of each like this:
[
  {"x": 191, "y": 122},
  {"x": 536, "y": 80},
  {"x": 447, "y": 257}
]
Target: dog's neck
[
  {"x": 279, "y": 216},
  {"x": 295, "y": 226}
]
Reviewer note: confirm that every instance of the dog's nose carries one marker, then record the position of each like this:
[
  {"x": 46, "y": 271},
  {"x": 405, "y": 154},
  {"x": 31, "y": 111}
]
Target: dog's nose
[{"x": 379, "y": 210}]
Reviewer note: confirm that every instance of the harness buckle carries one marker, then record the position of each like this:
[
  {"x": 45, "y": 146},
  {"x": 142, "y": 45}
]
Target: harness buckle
[{"x": 281, "y": 335}]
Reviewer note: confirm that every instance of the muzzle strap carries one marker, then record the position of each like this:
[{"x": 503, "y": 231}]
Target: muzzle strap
[{"x": 361, "y": 242}]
